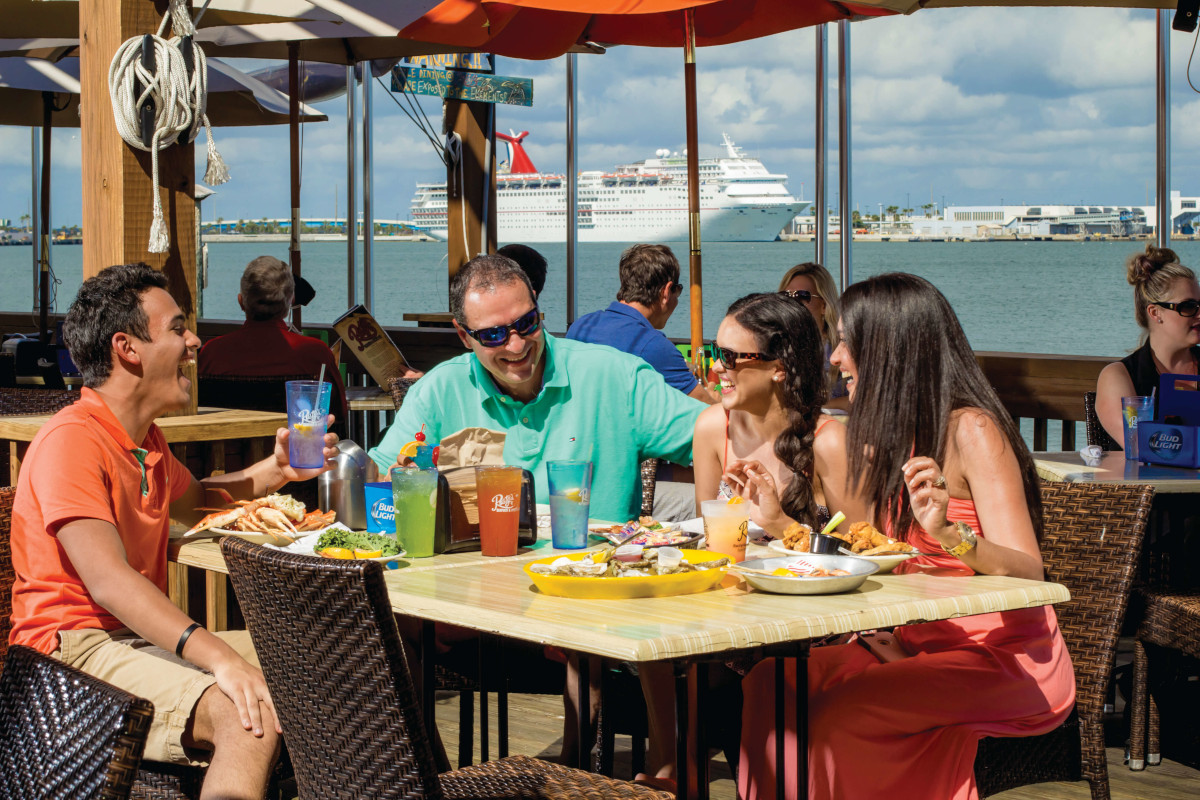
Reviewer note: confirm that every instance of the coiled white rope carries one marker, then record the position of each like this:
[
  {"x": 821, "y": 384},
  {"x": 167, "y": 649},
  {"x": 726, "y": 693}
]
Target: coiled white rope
[
  {"x": 179, "y": 104},
  {"x": 454, "y": 158}
]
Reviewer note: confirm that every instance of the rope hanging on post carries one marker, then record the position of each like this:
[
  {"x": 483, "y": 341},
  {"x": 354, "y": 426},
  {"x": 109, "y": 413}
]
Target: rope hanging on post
[{"x": 159, "y": 92}]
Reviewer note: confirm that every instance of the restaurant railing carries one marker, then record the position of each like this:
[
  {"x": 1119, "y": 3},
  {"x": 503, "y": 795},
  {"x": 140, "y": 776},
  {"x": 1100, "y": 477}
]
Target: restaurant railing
[{"x": 1043, "y": 391}]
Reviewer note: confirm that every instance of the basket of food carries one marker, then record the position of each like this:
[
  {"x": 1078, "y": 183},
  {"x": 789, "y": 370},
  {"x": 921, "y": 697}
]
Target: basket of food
[{"x": 861, "y": 541}]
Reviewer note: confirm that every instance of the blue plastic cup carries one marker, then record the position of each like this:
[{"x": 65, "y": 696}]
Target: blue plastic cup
[
  {"x": 570, "y": 498},
  {"x": 1135, "y": 409}
]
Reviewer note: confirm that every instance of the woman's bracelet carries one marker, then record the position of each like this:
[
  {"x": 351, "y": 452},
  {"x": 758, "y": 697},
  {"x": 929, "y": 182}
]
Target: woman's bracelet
[{"x": 187, "y": 633}]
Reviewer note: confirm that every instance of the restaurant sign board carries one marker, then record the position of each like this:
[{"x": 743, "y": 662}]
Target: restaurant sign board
[{"x": 455, "y": 84}]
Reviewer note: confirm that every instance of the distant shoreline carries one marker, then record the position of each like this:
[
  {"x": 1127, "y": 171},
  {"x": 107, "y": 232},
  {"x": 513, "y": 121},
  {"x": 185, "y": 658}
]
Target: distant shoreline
[{"x": 309, "y": 237}]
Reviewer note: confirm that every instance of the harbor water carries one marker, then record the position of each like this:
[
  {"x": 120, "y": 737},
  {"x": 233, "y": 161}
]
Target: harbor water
[{"x": 1068, "y": 298}]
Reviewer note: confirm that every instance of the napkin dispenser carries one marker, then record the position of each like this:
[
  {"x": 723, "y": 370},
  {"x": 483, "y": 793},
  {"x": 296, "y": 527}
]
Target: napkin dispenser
[
  {"x": 340, "y": 489},
  {"x": 1172, "y": 439}
]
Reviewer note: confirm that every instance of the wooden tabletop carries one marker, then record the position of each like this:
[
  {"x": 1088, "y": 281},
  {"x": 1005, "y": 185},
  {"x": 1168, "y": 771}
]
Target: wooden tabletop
[
  {"x": 209, "y": 425},
  {"x": 495, "y": 595},
  {"x": 1115, "y": 468}
]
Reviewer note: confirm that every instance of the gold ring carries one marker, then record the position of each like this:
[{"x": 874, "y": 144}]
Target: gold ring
[{"x": 940, "y": 483}]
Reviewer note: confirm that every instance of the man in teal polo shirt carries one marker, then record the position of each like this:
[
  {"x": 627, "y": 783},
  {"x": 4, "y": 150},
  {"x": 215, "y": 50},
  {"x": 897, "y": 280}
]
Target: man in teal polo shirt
[{"x": 554, "y": 398}]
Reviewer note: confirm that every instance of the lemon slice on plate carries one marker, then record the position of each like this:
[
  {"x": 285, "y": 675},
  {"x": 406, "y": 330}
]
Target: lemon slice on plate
[
  {"x": 336, "y": 552},
  {"x": 360, "y": 553}
]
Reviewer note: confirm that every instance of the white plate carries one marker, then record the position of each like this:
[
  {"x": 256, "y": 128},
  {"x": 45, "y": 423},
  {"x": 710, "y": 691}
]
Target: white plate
[
  {"x": 753, "y": 532},
  {"x": 886, "y": 561},
  {"x": 304, "y": 546}
]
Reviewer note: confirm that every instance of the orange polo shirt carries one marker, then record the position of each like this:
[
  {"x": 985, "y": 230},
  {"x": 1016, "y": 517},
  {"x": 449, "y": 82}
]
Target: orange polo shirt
[{"x": 83, "y": 465}]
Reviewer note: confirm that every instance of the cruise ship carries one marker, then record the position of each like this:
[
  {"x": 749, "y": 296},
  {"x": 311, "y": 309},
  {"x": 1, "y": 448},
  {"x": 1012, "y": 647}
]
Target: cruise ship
[{"x": 647, "y": 201}]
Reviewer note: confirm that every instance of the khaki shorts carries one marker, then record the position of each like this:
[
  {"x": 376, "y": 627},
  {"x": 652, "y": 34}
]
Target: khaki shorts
[{"x": 174, "y": 685}]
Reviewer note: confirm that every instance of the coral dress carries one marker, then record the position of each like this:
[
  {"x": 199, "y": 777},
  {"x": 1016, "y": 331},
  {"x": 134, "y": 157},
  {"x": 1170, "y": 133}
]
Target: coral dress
[{"x": 910, "y": 728}]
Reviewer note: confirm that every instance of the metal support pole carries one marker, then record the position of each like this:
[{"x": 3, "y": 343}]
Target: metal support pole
[
  {"x": 35, "y": 204},
  {"x": 693, "y": 174},
  {"x": 351, "y": 205},
  {"x": 820, "y": 198},
  {"x": 844, "y": 158},
  {"x": 572, "y": 189},
  {"x": 294, "y": 167},
  {"x": 1162, "y": 192},
  {"x": 368, "y": 220}
]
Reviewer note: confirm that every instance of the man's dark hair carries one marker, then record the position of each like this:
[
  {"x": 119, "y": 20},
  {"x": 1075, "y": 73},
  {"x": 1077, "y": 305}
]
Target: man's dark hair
[
  {"x": 530, "y": 260},
  {"x": 107, "y": 304},
  {"x": 645, "y": 270},
  {"x": 267, "y": 289},
  {"x": 484, "y": 273}
]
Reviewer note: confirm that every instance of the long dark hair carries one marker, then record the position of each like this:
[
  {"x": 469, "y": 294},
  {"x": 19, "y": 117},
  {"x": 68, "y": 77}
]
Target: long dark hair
[
  {"x": 787, "y": 331},
  {"x": 915, "y": 369}
]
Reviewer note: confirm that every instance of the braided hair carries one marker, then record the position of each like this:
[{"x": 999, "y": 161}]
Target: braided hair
[{"x": 786, "y": 330}]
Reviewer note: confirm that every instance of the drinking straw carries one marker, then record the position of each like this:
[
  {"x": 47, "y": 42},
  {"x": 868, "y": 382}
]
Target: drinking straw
[{"x": 320, "y": 378}]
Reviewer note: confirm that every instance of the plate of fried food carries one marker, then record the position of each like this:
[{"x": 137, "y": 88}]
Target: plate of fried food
[
  {"x": 279, "y": 516},
  {"x": 861, "y": 539}
]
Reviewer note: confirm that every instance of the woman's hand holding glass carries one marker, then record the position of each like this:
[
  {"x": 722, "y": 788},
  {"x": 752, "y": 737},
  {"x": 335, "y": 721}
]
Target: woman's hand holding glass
[{"x": 756, "y": 486}]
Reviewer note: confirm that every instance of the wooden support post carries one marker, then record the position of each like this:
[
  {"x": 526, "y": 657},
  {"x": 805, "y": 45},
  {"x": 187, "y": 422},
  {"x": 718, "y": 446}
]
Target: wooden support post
[
  {"x": 466, "y": 184},
  {"x": 117, "y": 190}
]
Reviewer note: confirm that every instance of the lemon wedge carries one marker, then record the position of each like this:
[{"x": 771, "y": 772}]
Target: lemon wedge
[
  {"x": 574, "y": 495},
  {"x": 336, "y": 552},
  {"x": 302, "y": 428},
  {"x": 360, "y": 553},
  {"x": 783, "y": 573},
  {"x": 733, "y": 501},
  {"x": 410, "y": 449}
]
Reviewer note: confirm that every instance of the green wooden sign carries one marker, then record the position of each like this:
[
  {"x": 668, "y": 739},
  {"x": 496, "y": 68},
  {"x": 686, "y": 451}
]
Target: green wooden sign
[{"x": 459, "y": 85}]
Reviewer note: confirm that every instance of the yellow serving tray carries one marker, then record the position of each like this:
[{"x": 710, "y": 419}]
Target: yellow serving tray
[{"x": 625, "y": 588}]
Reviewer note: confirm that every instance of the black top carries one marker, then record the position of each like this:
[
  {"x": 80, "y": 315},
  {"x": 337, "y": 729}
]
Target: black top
[{"x": 1140, "y": 366}]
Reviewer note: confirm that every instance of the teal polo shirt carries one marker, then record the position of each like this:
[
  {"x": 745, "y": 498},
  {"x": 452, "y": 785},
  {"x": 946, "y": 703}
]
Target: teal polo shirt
[{"x": 596, "y": 404}]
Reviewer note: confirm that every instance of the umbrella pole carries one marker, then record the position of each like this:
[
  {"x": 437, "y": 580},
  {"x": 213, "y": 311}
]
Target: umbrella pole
[
  {"x": 572, "y": 190},
  {"x": 294, "y": 153},
  {"x": 845, "y": 213},
  {"x": 693, "y": 173},
  {"x": 44, "y": 254}
]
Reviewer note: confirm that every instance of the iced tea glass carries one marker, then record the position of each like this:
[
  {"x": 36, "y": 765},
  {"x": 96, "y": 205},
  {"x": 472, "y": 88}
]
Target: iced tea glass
[{"x": 499, "y": 498}]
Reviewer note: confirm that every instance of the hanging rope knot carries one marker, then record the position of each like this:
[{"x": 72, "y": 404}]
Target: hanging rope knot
[{"x": 175, "y": 89}]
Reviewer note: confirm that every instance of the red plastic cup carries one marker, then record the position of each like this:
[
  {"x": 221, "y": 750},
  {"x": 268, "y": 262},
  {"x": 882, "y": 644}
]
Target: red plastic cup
[{"x": 499, "y": 493}]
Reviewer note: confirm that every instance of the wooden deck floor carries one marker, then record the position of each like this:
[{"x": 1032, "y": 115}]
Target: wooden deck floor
[{"x": 535, "y": 728}]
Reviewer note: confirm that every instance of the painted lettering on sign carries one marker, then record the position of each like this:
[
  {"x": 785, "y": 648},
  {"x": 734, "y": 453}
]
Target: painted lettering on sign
[
  {"x": 480, "y": 61},
  {"x": 458, "y": 85}
]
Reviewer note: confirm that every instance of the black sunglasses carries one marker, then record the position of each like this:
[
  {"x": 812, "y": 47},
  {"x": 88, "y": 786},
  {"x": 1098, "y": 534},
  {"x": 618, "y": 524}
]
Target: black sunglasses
[
  {"x": 1187, "y": 308},
  {"x": 676, "y": 288},
  {"x": 729, "y": 358},
  {"x": 497, "y": 335},
  {"x": 803, "y": 295}
]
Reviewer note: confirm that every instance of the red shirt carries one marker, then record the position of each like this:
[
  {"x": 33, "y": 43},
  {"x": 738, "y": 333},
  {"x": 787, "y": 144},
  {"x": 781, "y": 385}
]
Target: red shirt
[
  {"x": 269, "y": 348},
  {"x": 83, "y": 465}
]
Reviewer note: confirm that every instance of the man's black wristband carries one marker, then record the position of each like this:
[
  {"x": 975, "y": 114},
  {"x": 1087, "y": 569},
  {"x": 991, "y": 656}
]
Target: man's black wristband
[{"x": 187, "y": 633}]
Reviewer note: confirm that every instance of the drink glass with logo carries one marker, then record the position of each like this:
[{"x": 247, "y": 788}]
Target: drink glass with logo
[
  {"x": 725, "y": 527},
  {"x": 308, "y": 413},
  {"x": 499, "y": 498},
  {"x": 570, "y": 495},
  {"x": 1135, "y": 409},
  {"x": 414, "y": 496}
]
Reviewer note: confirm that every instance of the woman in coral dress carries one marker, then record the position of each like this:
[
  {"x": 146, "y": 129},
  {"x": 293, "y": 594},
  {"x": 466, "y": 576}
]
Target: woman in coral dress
[{"x": 947, "y": 471}]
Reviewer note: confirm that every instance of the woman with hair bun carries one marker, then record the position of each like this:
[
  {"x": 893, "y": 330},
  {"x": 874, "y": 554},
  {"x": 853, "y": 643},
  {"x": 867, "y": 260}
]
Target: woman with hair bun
[{"x": 1166, "y": 302}]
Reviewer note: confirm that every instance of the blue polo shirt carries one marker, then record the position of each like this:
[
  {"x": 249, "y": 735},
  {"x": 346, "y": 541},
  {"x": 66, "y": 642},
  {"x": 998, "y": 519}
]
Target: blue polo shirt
[
  {"x": 626, "y": 329},
  {"x": 595, "y": 404}
]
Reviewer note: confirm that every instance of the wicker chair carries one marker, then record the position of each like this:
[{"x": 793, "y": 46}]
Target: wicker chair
[
  {"x": 64, "y": 733},
  {"x": 399, "y": 388},
  {"x": 327, "y": 639},
  {"x": 649, "y": 472},
  {"x": 1093, "y": 536},
  {"x": 1095, "y": 431},
  {"x": 1167, "y": 610}
]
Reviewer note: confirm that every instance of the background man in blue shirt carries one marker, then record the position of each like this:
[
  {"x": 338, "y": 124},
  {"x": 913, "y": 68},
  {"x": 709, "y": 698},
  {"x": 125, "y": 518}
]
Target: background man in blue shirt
[{"x": 648, "y": 296}]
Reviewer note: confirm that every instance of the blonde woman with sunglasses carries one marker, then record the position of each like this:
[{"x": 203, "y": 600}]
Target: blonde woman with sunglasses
[
  {"x": 812, "y": 285},
  {"x": 1166, "y": 300}
]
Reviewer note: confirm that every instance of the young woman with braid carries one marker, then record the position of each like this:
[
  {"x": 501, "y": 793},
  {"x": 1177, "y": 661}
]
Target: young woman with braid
[
  {"x": 768, "y": 442},
  {"x": 945, "y": 469}
]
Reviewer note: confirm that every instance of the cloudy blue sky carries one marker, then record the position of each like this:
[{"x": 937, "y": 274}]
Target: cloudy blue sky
[{"x": 971, "y": 105}]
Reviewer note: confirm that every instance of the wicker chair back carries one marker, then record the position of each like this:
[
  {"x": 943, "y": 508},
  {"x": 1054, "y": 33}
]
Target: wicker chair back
[
  {"x": 1095, "y": 431},
  {"x": 1093, "y": 537},
  {"x": 64, "y": 733},
  {"x": 330, "y": 650},
  {"x": 8, "y": 575}
]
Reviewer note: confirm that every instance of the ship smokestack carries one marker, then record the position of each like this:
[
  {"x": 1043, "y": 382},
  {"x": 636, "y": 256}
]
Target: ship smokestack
[{"x": 519, "y": 159}]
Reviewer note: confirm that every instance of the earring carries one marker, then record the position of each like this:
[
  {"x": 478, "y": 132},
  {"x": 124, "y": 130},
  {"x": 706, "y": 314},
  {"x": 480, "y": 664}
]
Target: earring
[{"x": 777, "y": 378}]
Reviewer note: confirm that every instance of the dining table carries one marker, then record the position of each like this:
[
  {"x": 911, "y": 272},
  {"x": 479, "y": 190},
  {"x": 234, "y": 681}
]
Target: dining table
[{"x": 496, "y": 596}]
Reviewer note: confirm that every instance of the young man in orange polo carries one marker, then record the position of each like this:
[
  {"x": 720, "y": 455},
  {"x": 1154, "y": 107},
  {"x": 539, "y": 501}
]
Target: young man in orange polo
[{"x": 89, "y": 537}]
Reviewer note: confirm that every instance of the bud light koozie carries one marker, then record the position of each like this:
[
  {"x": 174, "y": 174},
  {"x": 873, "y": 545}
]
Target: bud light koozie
[
  {"x": 381, "y": 511},
  {"x": 1168, "y": 445}
]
